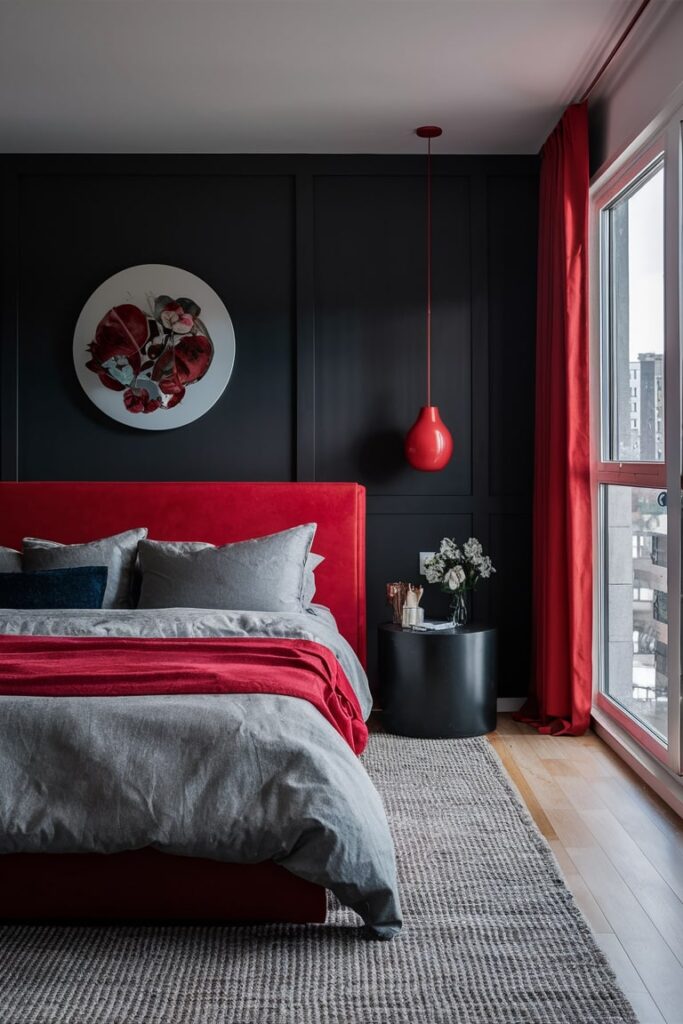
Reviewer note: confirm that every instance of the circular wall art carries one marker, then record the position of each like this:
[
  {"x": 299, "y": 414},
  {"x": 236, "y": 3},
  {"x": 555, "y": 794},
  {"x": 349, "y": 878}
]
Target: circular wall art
[{"x": 154, "y": 347}]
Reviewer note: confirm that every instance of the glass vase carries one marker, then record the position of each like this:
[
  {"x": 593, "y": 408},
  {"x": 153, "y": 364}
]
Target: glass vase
[{"x": 459, "y": 610}]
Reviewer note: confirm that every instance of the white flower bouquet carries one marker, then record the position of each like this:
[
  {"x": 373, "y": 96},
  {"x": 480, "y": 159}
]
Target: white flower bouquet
[{"x": 457, "y": 570}]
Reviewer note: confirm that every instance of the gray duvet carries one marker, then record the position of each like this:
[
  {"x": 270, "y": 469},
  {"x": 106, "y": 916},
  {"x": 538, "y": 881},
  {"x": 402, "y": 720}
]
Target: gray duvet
[{"x": 237, "y": 777}]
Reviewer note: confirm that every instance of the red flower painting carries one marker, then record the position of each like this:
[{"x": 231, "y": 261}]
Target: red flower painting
[{"x": 151, "y": 357}]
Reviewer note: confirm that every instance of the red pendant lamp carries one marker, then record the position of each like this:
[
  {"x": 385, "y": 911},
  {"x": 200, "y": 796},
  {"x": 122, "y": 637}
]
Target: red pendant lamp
[{"x": 428, "y": 444}]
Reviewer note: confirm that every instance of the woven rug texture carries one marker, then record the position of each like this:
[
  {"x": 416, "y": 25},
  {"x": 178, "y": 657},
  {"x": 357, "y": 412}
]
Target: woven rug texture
[{"x": 491, "y": 933}]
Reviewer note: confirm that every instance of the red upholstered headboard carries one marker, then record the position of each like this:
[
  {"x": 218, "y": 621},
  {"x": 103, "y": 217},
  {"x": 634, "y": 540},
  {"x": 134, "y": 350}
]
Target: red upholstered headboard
[{"x": 216, "y": 512}]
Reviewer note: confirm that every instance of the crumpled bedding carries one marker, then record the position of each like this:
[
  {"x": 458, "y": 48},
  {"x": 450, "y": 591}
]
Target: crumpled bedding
[{"x": 233, "y": 777}]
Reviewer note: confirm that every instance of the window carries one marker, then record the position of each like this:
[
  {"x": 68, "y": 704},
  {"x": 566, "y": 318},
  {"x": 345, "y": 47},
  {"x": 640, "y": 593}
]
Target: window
[
  {"x": 636, "y": 669},
  {"x": 637, "y": 451},
  {"x": 633, "y": 317}
]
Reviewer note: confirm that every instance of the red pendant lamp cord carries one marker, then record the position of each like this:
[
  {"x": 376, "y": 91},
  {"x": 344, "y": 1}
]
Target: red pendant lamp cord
[
  {"x": 428, "y": 444},
  {"x": 429, "y": 271}
]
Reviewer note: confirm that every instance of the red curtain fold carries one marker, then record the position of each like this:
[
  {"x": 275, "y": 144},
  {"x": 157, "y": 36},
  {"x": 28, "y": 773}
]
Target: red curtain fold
[{"x": 562, "y": 531}]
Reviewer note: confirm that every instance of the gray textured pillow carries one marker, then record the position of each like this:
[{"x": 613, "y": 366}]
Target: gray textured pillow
[
  {"x": 118, "y": 553},
  {"x": 266, "y": 574},
  {"x": 10, "y": 560},
  {"x": 184, "y": 547},
  {"x": 312, "y": 563}
]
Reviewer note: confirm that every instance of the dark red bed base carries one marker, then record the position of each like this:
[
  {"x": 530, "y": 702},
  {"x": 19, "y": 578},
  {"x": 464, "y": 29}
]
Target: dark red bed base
[{"x": 145, "y": 885}]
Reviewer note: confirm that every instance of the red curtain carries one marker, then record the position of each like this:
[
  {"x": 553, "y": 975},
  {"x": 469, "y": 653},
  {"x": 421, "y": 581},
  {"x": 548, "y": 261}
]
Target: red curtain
[{"x": 562, "y": 531}]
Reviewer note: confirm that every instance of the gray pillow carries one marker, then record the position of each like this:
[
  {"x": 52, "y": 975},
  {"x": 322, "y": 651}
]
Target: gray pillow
[
  {"x": 312, "y": 563},
  {"x": 266, "y": 574},
  {"x": 118, "y": 553},
  {"x": 10, "y": 560},
  {"x": 184, "y": 547}
]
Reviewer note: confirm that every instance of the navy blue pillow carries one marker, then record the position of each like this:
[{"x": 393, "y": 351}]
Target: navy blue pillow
[{"x": 80, "y": 587}]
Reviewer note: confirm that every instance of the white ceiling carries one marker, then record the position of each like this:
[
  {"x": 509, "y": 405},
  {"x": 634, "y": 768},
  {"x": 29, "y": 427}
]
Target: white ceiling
[{"x": 284, "y": 76}]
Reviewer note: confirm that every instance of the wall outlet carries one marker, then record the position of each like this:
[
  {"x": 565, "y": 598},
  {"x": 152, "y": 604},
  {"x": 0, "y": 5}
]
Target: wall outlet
[{"x": 424, "y": 555}]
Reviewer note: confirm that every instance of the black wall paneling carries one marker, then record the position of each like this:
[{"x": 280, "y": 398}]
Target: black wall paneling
[
  {"x": 370, "y": 328},
  {"x": 320, "y": 262},
  {"x": 235, "y": 232}
]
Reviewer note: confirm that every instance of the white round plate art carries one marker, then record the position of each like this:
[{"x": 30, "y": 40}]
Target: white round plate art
[{"x": 154, "y": 347}]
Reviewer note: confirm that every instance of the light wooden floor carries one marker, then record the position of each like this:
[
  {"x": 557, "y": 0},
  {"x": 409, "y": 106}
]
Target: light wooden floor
[{"x": 621, "y": 851}]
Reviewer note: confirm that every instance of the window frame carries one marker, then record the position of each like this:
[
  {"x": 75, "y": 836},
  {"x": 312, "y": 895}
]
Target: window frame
[
  {"x": 621, "y": 186},
  {"x": 620, "y": 179}
]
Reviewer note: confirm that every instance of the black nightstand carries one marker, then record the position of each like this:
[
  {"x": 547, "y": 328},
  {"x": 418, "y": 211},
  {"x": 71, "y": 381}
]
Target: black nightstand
[{"x": 437, "y": 684}]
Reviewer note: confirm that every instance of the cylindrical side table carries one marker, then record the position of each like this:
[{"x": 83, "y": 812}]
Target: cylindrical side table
[{"x": 438, "y": 684}]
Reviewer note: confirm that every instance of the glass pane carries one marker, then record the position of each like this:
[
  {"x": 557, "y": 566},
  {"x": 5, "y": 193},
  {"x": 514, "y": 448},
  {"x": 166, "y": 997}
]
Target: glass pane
[
  {"x": 636, "y": 604},
  {"x": 635, "y": 283}
]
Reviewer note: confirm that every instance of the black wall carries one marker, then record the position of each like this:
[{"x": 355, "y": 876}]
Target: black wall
[{"x": 320, "y": 261}]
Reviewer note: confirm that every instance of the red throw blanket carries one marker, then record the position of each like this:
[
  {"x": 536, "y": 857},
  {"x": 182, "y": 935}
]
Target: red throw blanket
[{"x": 119, "y": 666}]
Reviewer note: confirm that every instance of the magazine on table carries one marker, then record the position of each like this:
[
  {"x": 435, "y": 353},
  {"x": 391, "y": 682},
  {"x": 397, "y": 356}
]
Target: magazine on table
[{"x": 434, "y": 625}]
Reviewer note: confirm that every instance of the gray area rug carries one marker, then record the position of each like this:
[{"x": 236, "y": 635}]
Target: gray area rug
[{"x": 491, "y": 932}]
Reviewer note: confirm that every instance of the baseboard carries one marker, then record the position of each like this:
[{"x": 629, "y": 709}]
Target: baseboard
[{"x": 509, "y": 703}]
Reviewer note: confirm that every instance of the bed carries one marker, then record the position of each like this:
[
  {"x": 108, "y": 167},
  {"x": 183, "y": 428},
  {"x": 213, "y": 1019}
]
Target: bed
[{"x": 148, "y": 872}]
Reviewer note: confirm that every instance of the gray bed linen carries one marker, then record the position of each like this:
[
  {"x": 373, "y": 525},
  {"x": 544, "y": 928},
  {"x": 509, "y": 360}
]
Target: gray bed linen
[
  {"x": 10, "y": 560},
  {"x": 234, "y": 777}
]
